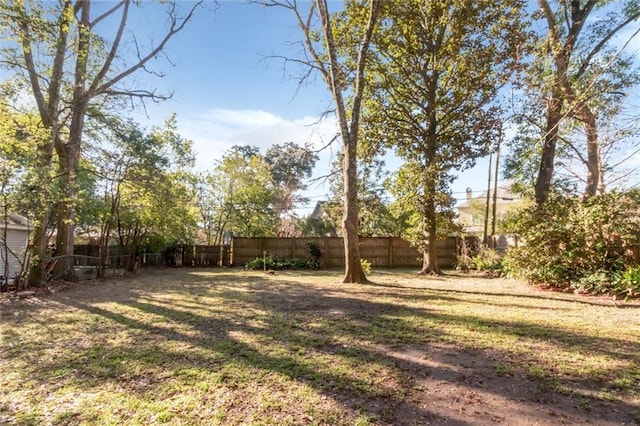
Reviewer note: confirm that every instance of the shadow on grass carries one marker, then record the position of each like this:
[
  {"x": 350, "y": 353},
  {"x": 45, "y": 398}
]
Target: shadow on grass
[
  {"x": 552, "y": 296},
  {"x": 341, "y": 344}
]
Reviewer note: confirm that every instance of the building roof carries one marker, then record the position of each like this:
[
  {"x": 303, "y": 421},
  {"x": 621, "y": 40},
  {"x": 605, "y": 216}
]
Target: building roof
[
  {"x": 15, "y": 221},
  {"x": 504, "y": 195}
]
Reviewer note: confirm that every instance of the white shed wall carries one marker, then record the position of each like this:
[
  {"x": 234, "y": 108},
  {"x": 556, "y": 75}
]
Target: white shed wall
[{"x": 17, "y": 240}]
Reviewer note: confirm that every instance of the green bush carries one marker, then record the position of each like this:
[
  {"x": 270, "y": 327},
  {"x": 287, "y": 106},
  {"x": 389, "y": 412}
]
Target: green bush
[
  {"x": 366, "y": 266},
  {"x": 627, "y": 282},
  {"x": 279, "y": 264},
  {"x": 487, "y": 260},
  {"x": 314, "y": 252},
  {"x": 575, "y": 243},
  {"x": 599, "y": 282}
]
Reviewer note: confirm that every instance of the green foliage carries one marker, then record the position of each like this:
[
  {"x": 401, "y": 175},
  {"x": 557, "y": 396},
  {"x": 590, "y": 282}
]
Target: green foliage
[
  {"x": 627, "y": 282},
  {"x": 574, "y": 243},
  {"x": 487, "y": 259},
  {"x": 290, "y": 165},
  {"x": 314, "y": 251},
  {"x": 314, "y": 227},
  {"x": 374, "y": 215},
  {"x": 366, "y": 266},
  {"x": 143, "y": 195},
  {"x": 597, "y": 282},
  {"x": 242, "y": 192},
  {"x": 278, "y": 264},
  {"x": 433, "y": 89},
  {"x": 418, "y": 207}
]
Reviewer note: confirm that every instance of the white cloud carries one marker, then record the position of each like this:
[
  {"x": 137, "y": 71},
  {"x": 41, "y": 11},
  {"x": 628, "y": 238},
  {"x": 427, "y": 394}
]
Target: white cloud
[{"x": 213, "y": 132}]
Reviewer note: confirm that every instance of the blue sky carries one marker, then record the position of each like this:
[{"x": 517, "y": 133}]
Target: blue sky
[{"x": 227, "y": 91}]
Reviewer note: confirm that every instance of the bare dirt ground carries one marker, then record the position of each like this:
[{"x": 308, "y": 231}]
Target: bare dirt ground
[{"x": 453, "y": 350}]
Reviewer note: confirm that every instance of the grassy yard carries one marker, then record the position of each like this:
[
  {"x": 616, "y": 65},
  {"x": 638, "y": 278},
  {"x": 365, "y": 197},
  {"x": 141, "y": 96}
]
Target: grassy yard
[{"x": 224, "y": 346}]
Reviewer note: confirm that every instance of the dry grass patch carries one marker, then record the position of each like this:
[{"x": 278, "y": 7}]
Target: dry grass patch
[{"x": 232, "y": 347}]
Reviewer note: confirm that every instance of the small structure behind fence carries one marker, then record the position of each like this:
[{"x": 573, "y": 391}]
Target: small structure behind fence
[{"x": 503, "y": 242}]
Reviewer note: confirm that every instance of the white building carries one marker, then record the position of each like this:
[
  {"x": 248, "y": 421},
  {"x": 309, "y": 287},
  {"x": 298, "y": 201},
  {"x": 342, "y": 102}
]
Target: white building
[
  {"x": 471, "y": 212},
  {"x": 14, "y": 239}
]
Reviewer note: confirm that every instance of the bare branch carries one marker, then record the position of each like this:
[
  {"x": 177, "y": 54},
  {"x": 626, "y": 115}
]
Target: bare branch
[
  {"x": 138, "y": 94},
  {"x": 606, "y": 39},
  {"x": 176, "y": 27},
  {"x": 108, "y": 13},
  {"x": 114, "y": 49}
]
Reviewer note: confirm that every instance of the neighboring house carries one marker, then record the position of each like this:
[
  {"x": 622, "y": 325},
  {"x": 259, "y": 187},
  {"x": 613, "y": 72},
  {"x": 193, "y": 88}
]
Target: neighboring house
[
  {"x": 14, "y": 238},
  {"x": 471, "y": 212},
  {"x": 319, "y": 214}
]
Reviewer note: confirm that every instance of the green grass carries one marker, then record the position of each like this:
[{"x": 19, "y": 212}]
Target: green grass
[{"x": 230, "y": 347}]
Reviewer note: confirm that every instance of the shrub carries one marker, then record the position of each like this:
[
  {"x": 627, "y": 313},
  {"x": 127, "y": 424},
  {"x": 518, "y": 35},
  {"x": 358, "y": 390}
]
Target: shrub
[
  {"x": 627, "y": 282},
  {"x": 574, "y": 243},
  {"x": 599, "y": 282},
  {"x": 487, "y": 260},
  {"x": 314, "y": 253},
  {"x": 366, "y": 266},
  {"x": 465, "y": 252},
  {"x": 278, "y": 264}
]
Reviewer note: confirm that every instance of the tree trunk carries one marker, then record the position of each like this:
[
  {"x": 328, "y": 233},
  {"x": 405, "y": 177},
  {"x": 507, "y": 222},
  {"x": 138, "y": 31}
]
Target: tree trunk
[
  {"x": 66, "y": 211},
  {"x": 353, "y": 268},
  {"x": 348, "y": 130},
  {"x": 430, "y": 234},
  {"x": 594, "y": 161},
  {"x": 545, "y": 171},
  {"x": 37, "y": 273}
]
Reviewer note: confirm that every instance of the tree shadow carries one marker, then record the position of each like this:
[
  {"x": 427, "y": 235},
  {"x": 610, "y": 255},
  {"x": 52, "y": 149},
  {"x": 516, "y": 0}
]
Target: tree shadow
[
  {"x": 265, "y": 324},
  {"x": 555, "y": 296}
]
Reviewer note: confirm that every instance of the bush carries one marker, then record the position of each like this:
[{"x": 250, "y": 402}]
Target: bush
[
  {"x": 574, "y": 243},
  {"x": 279, "y": 264},
  {"x": 366, "y": 266},
  {"x": 314, "y": 253},
  {"x": 599, "y": 282},
  {"x": 487, "y": 260},
  {"x": 627, "y": 282},
  {"x": 466, "y": 249}
]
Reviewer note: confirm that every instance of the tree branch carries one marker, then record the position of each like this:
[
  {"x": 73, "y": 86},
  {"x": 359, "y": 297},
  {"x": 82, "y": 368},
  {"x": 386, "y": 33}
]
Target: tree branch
[{"x": 174, "y": 29}]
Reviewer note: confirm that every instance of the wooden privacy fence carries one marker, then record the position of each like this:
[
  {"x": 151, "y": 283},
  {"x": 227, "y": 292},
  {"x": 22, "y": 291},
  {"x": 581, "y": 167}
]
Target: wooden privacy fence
[
  {"x": 202, "y": 255},
  {"x": 384, "y": 252}
]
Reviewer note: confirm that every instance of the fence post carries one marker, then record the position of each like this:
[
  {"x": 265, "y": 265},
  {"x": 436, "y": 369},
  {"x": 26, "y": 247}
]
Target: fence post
[{"x": 293, "y": 249}]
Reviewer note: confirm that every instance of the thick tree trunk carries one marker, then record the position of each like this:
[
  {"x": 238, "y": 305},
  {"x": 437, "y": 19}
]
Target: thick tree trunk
[
  {"x": 66, "y": 212},
  {"x": 353, "y": 268},
  {"x": 429, "y": 231},
  {"x": 545, "y": 171}
]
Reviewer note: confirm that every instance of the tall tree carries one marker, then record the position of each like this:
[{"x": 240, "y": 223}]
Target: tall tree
[
  {"x": 71, "y": 66},
  {"x": 237, "y": 196},
  {"x": 291, "y": 165},
  {"x": 438, "y": 70},
  {"x": 578, "y": 43},
  {"x": 344, "y": 78},
  {"x": 141, "y": 187}
]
